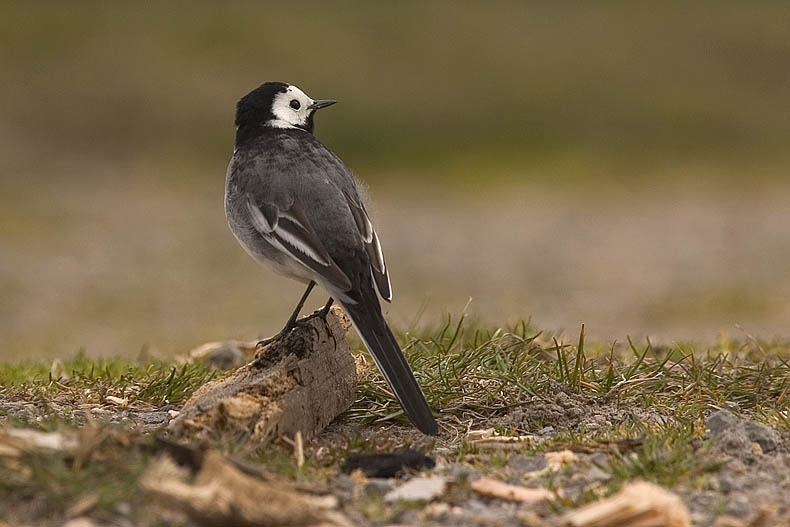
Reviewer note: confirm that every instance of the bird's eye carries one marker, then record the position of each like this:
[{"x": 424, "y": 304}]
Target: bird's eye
[{"x": 295, "y": 104}]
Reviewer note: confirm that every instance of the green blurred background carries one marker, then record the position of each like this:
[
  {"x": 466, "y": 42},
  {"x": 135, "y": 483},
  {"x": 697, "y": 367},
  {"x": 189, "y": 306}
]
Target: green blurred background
[{"x": 622, "y": 164}]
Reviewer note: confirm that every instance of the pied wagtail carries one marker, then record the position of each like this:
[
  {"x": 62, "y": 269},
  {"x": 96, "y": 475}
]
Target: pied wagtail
[{"x": 295, "y": 207}]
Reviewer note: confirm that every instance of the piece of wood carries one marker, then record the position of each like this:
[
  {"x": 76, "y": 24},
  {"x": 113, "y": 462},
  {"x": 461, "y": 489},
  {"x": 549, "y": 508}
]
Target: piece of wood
[
  {"x": 639, "y": 504},
  {"x": 220, "y": 494},
  {"x": 504, "y": 491},
  {"x": 298, "y": 383}
]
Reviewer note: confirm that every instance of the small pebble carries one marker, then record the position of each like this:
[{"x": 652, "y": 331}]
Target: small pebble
[
  {"x": 378, "y": 487},
  {"x": 418, "y": 489},
  {"x": 720, "y": 421},
  {"x": 546, "y": 431},
  {"x": 732, "y": 406},
  {"x": 522, "y": 464}
]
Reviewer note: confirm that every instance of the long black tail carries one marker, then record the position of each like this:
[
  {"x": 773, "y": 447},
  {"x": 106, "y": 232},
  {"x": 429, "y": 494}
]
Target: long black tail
[{"x": 378, "y": 338}]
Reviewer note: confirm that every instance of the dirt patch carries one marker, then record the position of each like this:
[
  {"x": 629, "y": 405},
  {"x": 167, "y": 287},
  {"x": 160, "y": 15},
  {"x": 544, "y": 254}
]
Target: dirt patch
[
  {"x": 755, "y": 473},
  {"x": 564, "y": 410},
  {"x": 750, "y": 480}
]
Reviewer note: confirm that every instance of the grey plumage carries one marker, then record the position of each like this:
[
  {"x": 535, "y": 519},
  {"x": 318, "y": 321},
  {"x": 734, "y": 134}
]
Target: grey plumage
[
  {"x": 296, "y": 184},
  {"x": 295, "y": 207}
]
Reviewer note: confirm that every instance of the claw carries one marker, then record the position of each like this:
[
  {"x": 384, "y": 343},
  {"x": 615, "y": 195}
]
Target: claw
[{"x": 292, "y": 323}]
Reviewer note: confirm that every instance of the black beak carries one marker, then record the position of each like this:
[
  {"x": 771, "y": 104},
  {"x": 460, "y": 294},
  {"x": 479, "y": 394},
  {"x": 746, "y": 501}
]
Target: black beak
[{"x": 323, "y": 103}]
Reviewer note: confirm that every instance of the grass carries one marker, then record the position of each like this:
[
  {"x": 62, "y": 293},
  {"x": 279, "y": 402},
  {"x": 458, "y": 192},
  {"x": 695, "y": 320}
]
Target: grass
[
  {"x": 41, "y": 486},
  {"x": 475, "y": 374},
  {"x": 668, "y": 456},
  {"x": 81, "y": 380},
  {"x": 476, "y": 378}
]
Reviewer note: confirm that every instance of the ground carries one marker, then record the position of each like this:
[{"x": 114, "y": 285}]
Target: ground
[{"x": 709, "y": 423}]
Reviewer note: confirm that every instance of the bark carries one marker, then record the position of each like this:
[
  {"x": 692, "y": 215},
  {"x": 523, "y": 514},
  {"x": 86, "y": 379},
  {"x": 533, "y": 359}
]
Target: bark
[{"x": 300, "y": 382}]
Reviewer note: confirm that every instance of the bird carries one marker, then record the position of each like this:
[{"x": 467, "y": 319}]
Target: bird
[{"x": 296, "y": 208}]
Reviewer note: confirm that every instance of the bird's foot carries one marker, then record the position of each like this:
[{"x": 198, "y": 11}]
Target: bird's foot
[
  {"x": 322, "y": 314},
  {"x": 303, "y": 322},
  {"x": 274, "y": 338},
  {"x": 318, "y": 313},
  {"x": 278, "y": 336}
]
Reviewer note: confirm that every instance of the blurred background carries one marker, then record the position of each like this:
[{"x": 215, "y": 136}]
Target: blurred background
[{"x": 621, "y": 164}]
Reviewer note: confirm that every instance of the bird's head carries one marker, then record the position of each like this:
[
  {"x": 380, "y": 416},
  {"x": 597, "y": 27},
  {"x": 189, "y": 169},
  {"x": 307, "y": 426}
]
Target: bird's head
[{"x": 278, "y": 105}]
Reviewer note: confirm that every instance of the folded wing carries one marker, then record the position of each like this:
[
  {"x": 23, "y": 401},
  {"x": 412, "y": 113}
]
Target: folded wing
[
  {"x": 290, "y": 231},
  {"x": 372, "y": 246}
]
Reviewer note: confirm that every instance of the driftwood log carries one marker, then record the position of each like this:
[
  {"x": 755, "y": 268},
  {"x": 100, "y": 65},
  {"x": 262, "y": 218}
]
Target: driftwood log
[{"x": 297, "y": 383}]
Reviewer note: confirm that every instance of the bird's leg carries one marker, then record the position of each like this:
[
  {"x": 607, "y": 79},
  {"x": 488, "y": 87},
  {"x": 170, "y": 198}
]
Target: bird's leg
[
  {"x": 318, "y": 313},
  {"x": 325, "y": 310},
  {"x": 292, "y": 319}
]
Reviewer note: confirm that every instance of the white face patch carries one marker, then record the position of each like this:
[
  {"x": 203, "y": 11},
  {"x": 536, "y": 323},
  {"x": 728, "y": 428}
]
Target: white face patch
[{"x": 290, "y": 109}]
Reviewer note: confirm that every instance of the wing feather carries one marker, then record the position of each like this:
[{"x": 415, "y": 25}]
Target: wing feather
[
  {"x": 288, "y": 179},
  {"x": 372, "y": 247},
  {"x": 290, "y": 231}
]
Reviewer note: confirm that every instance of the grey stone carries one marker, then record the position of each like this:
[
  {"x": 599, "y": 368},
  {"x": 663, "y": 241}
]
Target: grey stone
[
  {"x": 564, "y": 400},
  {"x": 344, "y": 486},
  {"x": 476, "y": 506},
  {"x": 546, "y": 431},
  {"x": 720, "y": 421},
  {"x": 521, "y": 464},
  {"x": 601, "y": 460},
  {"x": 727, "y": 483},
  {"x": 457, "y": 471},
  {"x": 405, "y": 518},
  {"x": 418, "y": 489},
  {"x": 738, "y": 505},
  {"x": 596, "y": 474},
  {"x": 732, "y": 406},
  {"x": 733, "y": 441},
  {"x": 485, "y": 514},
  {"x": 378, "y": 486},
  {"x": 123, "y": 508},
  {"x": 763, "y": 435},
  {"x": 153, "y": 418},
  {"x": 735, "y": 436}
]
